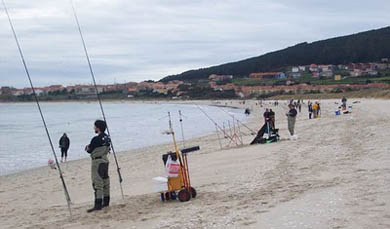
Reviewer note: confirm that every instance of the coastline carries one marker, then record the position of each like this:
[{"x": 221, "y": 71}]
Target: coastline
[{"x": 130, "y": 150}]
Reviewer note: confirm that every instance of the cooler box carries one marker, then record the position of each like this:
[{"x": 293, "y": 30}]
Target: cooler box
[{"x": 160, "y": 184}]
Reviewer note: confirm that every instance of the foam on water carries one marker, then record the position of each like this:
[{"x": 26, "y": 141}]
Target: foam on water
[{"x": 24, "y": 143}]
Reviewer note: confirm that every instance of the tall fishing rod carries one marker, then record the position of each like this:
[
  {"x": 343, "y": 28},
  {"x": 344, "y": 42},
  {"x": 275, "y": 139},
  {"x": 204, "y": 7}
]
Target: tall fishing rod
[
  {"x": 181, "y": 126},
  {"x": 243, "y": 124},
  {"x": 67, "y": 196},
  {"x": 98, "y": 96},
  {"x": 216, "y": 124}
]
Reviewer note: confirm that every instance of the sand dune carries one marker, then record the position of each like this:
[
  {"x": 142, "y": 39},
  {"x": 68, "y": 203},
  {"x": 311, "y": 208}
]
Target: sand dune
[{"x": 336, "y": 175}]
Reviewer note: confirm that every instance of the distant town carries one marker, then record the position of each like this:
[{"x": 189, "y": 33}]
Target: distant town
[{"x": 305, "y": 79}]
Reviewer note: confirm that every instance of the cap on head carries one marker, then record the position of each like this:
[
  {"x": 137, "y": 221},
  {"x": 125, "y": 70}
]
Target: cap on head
[{"x": 101, "y": 125}]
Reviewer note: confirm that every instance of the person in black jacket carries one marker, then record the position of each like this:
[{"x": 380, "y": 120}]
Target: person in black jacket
[
  {"x": 64, "y": 145},
  {"x": 99, "y": 148},
  {"x": 291, "y": 118}
]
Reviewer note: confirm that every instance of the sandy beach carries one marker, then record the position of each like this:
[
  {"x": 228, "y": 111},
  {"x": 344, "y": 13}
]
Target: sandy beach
[{"x": 335, "y": 175}]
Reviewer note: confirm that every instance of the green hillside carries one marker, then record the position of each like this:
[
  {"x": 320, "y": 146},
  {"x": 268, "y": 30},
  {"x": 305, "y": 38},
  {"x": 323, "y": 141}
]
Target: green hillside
[{"x": 361, "y": 47}]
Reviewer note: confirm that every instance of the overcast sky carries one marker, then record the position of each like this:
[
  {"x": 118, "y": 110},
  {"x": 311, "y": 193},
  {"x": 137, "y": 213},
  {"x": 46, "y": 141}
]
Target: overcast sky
[{"x": 136, "y": 40}]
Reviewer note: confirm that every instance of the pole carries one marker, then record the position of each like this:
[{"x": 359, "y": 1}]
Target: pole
[
  {"x": 181, "y": 126},
  {"x": 243, "y": 124},
  {"x": 98, "y": 96},
  {"x": 67, "y": 196},
  {"x": 219, "y": 139},
  {"x": 212, "y": 121}
]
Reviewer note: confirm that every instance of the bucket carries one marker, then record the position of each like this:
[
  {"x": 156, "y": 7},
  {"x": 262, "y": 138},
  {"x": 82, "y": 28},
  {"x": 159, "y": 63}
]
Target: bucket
[{"x": 160, "y": 184}]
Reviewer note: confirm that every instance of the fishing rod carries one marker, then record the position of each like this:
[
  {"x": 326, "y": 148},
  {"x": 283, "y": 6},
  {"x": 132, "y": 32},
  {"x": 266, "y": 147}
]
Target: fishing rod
[
  {"x": 67, "y": 196},
  {"x": 243, "y": 124},
  {"x": 98, "y": 96},
  {"x": 181, "y": 126},
  {"x": 216, "y": 124}
]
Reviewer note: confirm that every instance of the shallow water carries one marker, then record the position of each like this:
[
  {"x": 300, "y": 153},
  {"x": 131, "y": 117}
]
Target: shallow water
[{"x": 24, "y": 143}]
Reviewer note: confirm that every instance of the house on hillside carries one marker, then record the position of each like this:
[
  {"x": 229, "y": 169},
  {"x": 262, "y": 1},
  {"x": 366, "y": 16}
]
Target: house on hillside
[
  {"x": 267, "y": 75},
  {"x": 315, "y": 74},
  {"x": 85, "y": 89},
  {"x": 215, "y": 77},
  {"x": 313, "y": 68},
  {"x": 294, "y": 69},
  {"x": 302, "y": 68}
]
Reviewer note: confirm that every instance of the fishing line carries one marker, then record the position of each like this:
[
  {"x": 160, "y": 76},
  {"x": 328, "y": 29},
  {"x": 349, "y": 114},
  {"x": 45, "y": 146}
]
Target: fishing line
[
  {"x": 252, "y": 131},
  {"x": 67, "y": 197},
  {"x": 216, "y": 124},
  {"x": 97, "y": 94}
]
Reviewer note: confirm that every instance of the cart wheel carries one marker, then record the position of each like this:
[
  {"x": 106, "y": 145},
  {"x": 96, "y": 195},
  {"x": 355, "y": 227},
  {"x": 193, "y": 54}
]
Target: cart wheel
[
  {"x": 162, "y": 197},
  {"x": 184, "y": 195},
  {"x": 193, "y": 192},
  {"x": 173, "y": 195},
  {"x": 167, "y": 196}
]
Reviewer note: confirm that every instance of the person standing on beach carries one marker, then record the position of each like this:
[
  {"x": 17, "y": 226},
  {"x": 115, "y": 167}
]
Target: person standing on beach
[
  {"x": 99, "y": 149},
  {"x": 64, "y": 145},
  {"x": 271, "y": 115},
  {"x": 344, "y": 103},
  {"x": 315, "y": 109},
  {"x": 291, "y": 118},
  {"x": 310, "y": 109},
  {"x": 266, "y": 115}
]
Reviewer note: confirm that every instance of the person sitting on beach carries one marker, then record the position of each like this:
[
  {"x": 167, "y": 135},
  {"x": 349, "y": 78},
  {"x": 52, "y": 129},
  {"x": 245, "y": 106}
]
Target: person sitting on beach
[
  {"x": 291, "y": 118},
  {"x": 98, "y": 150},
  {"x": 64, "y": 143}
]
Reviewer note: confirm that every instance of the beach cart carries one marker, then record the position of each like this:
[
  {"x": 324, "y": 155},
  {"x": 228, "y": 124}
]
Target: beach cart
[{"x": 179, "y": 186}]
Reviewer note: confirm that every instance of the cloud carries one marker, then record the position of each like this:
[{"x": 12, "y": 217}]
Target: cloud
[{"x": 149, "y": 39}]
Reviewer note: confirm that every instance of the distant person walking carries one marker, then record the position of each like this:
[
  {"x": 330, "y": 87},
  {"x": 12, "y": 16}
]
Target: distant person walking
[
  {"x": 291, "y": 118},
  {"x": 64, "y": 145}
]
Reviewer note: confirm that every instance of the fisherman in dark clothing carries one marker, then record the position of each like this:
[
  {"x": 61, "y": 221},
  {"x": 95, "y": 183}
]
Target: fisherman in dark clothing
[
  {"x": 271, "y": 115},
  {"x": 344, "y": 102},
  {"x": 64, "y": 145},
  {"x": 266, "y": 115},
  {"x": 291, "y": 118},
  {"x": 310, "y": 109},
  {"x": 99, "y": 149}
]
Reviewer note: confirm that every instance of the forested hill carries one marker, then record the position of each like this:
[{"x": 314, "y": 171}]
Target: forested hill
[{"x": 361, "y": 47}]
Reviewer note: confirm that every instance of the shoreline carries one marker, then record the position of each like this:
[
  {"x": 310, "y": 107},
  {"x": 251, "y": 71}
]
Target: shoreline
[{"x": 207, "y": 103}]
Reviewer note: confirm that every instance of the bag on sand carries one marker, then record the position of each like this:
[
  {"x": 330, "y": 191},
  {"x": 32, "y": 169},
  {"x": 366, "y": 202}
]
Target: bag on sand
[{"x": 172, "y": 167}]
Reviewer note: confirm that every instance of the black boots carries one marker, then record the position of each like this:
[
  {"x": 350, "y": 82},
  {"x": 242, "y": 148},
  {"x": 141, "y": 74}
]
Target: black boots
[
  {"x": 106, "y": 201},
  {"x": 98, "y": 206}
]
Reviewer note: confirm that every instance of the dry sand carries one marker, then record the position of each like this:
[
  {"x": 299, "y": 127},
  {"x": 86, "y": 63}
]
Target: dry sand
[{"x": 336, "y": 175}]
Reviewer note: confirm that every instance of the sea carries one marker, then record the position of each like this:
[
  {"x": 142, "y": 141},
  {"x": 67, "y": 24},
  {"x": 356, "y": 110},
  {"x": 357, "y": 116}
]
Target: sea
[{"x": 24, "y": 143}]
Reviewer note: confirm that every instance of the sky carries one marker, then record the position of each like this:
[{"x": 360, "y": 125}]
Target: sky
[{"x": 136, "y": 40}]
